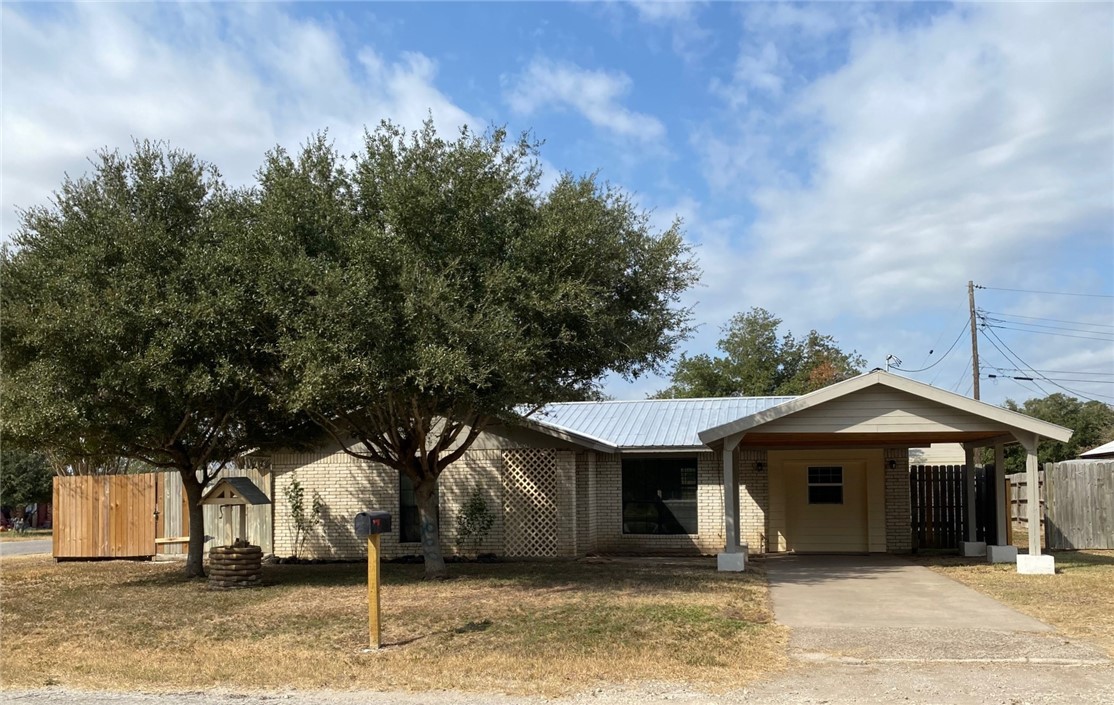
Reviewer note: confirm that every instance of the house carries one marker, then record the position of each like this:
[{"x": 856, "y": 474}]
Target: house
[{"x": 824, "y": 472}]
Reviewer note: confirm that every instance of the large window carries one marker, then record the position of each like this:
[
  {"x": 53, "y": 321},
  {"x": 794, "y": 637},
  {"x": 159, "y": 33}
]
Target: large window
[
  {"x": 409, "y": 525},
  {"x": 825, "y": 485},
  {"x": 659, "y": 496}
]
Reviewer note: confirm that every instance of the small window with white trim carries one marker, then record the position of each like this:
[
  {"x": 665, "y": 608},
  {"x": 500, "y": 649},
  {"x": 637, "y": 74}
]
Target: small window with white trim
[{"x": 825, "y": 485}]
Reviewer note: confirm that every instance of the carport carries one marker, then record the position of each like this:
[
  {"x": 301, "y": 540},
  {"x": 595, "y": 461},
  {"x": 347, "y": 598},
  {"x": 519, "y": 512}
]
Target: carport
[{"x": 830, "y": 470}]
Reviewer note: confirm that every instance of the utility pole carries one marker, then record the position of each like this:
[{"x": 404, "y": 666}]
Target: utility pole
[{"x": 974, "y": 339}]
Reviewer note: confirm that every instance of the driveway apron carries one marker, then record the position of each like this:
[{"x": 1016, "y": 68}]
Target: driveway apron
[{"x": 883, "y": 608}]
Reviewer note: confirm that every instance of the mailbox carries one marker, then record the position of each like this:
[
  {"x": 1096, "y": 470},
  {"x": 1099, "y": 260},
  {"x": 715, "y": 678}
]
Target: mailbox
[{"x": 368, "y": 523}]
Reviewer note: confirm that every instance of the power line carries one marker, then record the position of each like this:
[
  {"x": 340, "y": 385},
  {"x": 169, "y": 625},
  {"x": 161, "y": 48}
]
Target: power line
[
  {"x": 1045, "y": 325},
  {"x": 1050, "y": 293},
  {"x": 1057, "y": 372},
  {"x": 1054, "y": 320},
  {"x": 944, "y": 356},
  {"x": 1018, "y": 360},
  {"x": 1030, "y": 367},
  {"x": 1047, "y": 332},
  {"x": 966, "y": 369},
  {"x": 1053, "y": 379}
]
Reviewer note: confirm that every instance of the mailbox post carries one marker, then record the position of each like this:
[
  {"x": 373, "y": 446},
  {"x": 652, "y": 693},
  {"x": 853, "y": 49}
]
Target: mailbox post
[{"x": 371, "y": 524}]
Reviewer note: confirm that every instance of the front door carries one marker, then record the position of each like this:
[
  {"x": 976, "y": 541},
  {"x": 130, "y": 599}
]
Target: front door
[{"x": 826, "y": 506}]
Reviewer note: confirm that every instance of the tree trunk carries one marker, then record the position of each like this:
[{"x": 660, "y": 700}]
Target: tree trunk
[
  {"x": 195, "y": 567},
  {"x": 425, "y": 492}
]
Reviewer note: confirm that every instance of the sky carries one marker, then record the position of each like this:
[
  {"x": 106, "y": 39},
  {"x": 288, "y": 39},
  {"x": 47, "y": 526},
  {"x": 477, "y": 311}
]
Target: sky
[{"x": 848, "y": 167}]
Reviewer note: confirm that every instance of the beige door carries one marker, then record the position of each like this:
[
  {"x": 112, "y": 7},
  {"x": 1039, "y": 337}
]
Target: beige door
[{"x": 826, "y": 506}]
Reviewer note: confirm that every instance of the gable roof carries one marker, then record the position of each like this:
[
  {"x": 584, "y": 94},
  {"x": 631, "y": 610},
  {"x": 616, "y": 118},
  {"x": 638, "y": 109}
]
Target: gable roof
[
  {"x": 649, "y": 424},
  {"x": 235, "y": 490},
  {"x": 885, "y": 379}
]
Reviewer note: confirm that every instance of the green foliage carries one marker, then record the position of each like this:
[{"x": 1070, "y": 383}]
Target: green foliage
[
  {"x": 1091, "y": 422},
  {"x": 25, "y": 478},
  {"x": 428, "y": 287},
  {"x": 132, "y": 327},
  {"x": 474, "y": 521},
  {"x": 304, "y": 522},
  {"x": 756, "y": 361}
]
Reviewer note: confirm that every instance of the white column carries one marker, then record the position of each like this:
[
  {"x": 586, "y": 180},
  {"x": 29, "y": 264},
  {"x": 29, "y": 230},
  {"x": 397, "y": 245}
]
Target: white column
[
  {"x": 1003, "y": 510},
  {"x": 730, "y": 503},
  {"x": 732, "y": 558},
  {"x": 970, "y": 547},
  {"x": 1003, "y": 552},
  {"x": 1034, "y": 563}
]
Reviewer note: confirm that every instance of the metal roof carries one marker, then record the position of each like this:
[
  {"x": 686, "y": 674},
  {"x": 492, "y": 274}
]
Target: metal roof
[
  {"x": 1104, "y": 451},
  {"x": 650, "y": 423}
]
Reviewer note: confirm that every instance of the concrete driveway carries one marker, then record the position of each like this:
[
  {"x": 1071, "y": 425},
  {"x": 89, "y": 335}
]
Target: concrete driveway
[{"x": 885, "y": 608}]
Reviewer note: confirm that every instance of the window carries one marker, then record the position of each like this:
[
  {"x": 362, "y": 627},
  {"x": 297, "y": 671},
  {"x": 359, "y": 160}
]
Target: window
[
  {"x": 825, "y": 485},
  {"x": 409, "y": 525},
  {"x": 659, "y": 496}
]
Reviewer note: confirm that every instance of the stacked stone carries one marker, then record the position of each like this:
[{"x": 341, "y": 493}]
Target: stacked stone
[{"x": 237, "y": 566}]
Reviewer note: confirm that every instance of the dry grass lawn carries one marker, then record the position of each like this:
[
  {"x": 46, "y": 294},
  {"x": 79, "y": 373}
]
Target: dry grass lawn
[
  {"x": 30, "y": 535},
  {"x": 1078, "y": 600},
  {"x": 523, "y": 628}
]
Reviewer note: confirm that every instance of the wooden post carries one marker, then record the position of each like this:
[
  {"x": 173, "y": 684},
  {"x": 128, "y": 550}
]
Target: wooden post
[
  {"x": 227, "y": 511},
  {"x": 374, "y": 632},
  {"x": 243, "y": 522}
]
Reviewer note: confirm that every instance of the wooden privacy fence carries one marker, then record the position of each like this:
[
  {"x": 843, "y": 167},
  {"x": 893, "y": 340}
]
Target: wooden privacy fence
[
  {"x": 104, "y": 516},
  {"x": 139, "y": 516},
  {"x": 174, "y": 514},
  {"x": 1019, "y": 498},
  {"x": 1079, "y": 504}
]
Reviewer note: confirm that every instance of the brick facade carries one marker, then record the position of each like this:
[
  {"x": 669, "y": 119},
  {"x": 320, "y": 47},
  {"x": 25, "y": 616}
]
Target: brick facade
[
  {"x": 899, "y": 531},
  {"x": 586, "y": 498}
]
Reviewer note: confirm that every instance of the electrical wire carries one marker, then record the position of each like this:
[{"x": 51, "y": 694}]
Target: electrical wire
[
  {"x": 1084, "y": 338},
  {"x": 1050, "y": 293},
  {"x": 1045, "y": 325},
  {"x": 1054, "y": 320},
  {"x": 1055, "y": 372},
  {"x": 1027, "y": 365},
  {"x": 945, "y": 355}
]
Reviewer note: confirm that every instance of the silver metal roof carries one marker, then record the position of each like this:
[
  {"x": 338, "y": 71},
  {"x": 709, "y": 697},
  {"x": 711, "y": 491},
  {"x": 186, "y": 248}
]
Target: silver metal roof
[{"x": 651, "y": 423}]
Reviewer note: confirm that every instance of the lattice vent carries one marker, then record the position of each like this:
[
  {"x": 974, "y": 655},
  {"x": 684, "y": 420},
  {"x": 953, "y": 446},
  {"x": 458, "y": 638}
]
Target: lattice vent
[{"x": 529, "y": 502}]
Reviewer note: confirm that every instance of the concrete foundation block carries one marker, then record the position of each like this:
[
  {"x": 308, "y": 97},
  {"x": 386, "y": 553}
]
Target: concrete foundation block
[
  {"x": 1036, "y": 565},
  {"x": 731, "y": 562},
  {"x": 972, "y": 548},
  {"x": 1001, "y": 554}
]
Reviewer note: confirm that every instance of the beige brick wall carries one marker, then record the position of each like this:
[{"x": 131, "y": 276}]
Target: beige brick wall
[
  {"x": 349, "y": 486},
  {"x": 754, "y": 498},
  {"x": 899, "y": 532}
]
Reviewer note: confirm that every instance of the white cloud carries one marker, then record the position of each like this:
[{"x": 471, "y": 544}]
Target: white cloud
[
  {"x": 966, "y": 146},
  {"x": 596, "y": 95},
  {"x": 226, "y": 82}
]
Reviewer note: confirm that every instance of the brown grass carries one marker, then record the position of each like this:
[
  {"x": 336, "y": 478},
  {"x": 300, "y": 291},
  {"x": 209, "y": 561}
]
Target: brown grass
[
  {"x": 31, "y": 535},
  {"x": 524, "y": 628},
  {"x": 1078, "y": 600}
]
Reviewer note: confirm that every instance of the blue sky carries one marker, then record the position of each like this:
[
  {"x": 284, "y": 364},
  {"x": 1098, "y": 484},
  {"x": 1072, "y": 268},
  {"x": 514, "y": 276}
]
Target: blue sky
[{"x": 847, "y": 166}]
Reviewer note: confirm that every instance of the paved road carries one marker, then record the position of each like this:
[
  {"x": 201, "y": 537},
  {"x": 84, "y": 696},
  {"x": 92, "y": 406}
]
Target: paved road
[{"x": 25, "y": 548}]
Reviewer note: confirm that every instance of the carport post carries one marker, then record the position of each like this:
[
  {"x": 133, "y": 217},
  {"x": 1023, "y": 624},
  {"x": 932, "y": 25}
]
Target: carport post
[
  {"x": 732, "y": 558},
  {"x": 1003, "y": 552},
  {"x": 1034, "y": 563},
  {"x": 971, "y": 547}
]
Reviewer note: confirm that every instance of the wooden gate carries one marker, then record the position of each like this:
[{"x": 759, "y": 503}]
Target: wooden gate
[
  {"x": 105, "y": 516},
  {"x": 939, "y": 505}
]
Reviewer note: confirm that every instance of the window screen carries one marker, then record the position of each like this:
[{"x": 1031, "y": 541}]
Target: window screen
[
  {"x": 825, "y": 485},
  {"x": 659, "y": 496}
]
